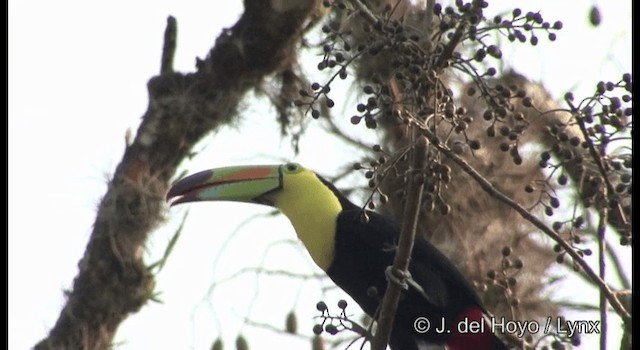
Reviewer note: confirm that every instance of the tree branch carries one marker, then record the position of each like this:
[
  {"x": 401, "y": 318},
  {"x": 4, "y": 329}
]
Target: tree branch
[
  {"x": 169, "y": 48},
  {"x": 602, "y": 251},
  {"x": 405, "y": 247},
  {"x": 366, "y": 13}
]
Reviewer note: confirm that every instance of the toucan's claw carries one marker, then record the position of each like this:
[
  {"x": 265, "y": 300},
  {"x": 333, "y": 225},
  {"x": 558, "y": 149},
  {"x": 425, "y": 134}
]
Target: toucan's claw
[{"x": 398, "y": 277}]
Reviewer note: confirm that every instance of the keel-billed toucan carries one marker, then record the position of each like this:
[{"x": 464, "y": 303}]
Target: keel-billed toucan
[{"x": 356, "y": 253}]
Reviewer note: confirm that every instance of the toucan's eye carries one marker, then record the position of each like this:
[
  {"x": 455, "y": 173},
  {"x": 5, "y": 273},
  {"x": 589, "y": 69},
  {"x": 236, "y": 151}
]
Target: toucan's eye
[{"x": 292, "y": 167}]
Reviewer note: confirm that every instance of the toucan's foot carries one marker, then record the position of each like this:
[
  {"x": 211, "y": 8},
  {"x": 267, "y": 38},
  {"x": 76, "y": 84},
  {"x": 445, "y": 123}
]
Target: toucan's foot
[{"x": 397, "y": 276}]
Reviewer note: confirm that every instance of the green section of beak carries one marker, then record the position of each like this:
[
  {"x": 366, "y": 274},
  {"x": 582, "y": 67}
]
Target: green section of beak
[{"x": 238, "y": 184}]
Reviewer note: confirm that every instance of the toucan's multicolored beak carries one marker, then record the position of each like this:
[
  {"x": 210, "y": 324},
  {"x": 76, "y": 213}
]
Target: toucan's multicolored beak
[{"x": 238, "y": 184}]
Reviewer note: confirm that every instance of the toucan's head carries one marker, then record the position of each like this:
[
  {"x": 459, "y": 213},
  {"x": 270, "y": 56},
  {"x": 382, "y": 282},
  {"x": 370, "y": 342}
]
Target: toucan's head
[
  {"x": 274, "y": 185},
  {"x": 310, "y": 202},
  {"x": 252, "y": 184}
]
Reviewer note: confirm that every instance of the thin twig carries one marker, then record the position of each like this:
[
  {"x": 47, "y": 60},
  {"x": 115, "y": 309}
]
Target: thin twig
[
  {"x": 578, "y": 306},
  {"x": 265, "y": 272},
  {"x": 405, "y": 247},
  {"x": 429, "y": 16},
  {"x": 169, "y": 47},
  {"x": 334, "y": 129},
  {"x": 602, "y": 251},
  {"x": 617, "y": 265},
  {"x": 274, "y": 329},
  {"x": 451, "y": 45},
  {"x": 366, "y": 13},
  {"x": 455, "y": 40}
]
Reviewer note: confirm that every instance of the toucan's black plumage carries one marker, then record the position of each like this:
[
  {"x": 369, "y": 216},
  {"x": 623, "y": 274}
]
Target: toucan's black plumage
[
  {"x": 355, "y": 253},
  {"x": 364, "y": 249}
]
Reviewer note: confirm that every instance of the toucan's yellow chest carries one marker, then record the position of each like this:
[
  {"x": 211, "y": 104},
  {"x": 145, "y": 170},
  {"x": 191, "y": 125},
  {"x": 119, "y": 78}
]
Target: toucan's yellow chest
[{"x": 313, "y": 210}]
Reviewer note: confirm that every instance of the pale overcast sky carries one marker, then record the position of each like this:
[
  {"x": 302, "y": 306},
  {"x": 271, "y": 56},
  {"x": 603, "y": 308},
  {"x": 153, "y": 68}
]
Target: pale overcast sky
[{"x": 77, "y": 81}]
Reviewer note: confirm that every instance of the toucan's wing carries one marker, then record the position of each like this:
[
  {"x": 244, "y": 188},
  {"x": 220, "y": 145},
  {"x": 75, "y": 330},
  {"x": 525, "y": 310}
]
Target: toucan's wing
[
  {"x": 379, "y": 236},
  {"x": 429, "y": 264},
  {"x": 431, "y": 270}
]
